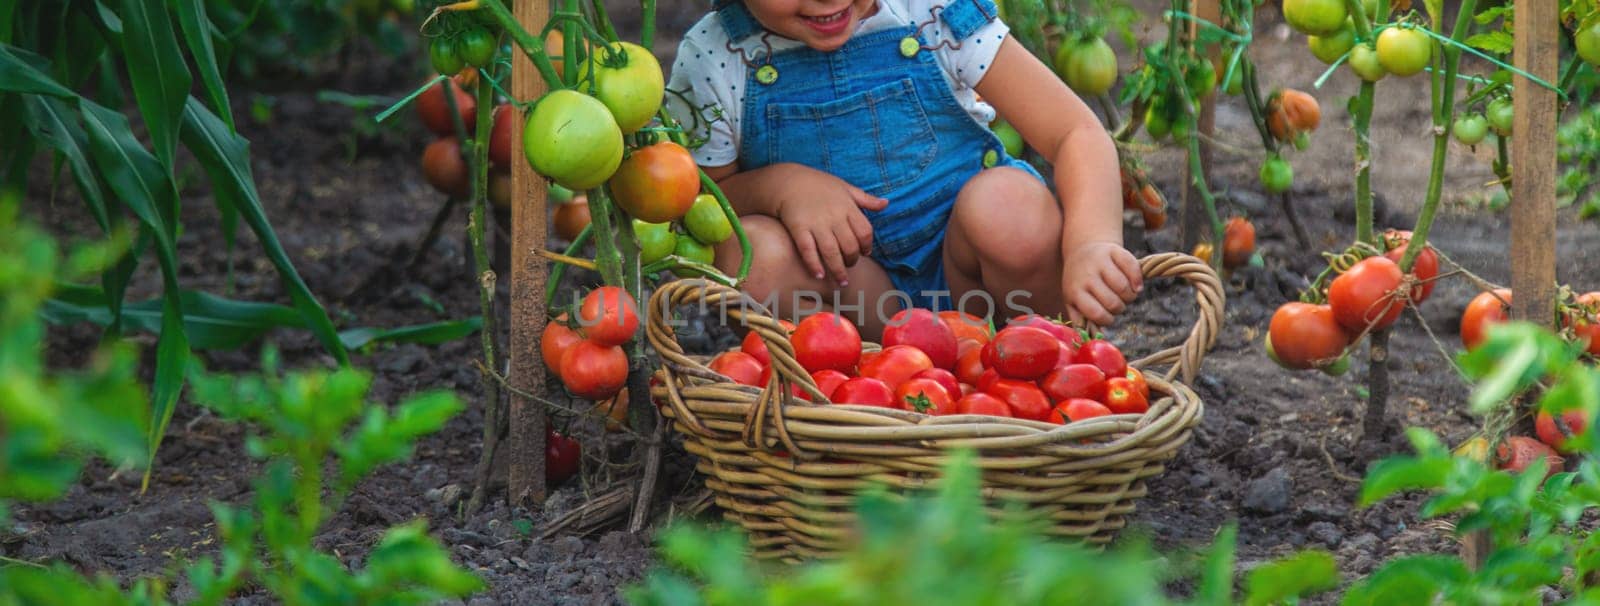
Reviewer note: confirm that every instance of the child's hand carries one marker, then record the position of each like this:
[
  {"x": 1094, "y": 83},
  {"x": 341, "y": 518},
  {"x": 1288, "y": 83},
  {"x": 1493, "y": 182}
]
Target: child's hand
[
  {"x": 1099, "y": 279},
  {"x": 823, "y": 215}
]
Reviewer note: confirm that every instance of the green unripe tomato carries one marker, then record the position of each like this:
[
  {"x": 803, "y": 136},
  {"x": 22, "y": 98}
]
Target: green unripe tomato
[
  {"x": 1338, "y": 367},
  {"x": 1315, "y": 17},
  {"x": 693, "y": 250},
  {"x": 1364, "y": 62},
  {"x": 656, "y": 240},
  {"x": 1404, "y": 51},
  {"x": 1201, "y": 78},
  {"x": 1156, "y": 122},
  {"x": 476, "y": 47},
  {"x": 1587, "y": 39},
  {"x": 1277, "y": 176},
  {"x": 1009, "y": 137},
  {"x": 1088, "y": 66},
  {"x": 445, "y": 56},
  {"x": 1500, "y": 115},
  {"x": 1470, "y": 129},
  {"x": 706, "y": 221},
  {"x": 1330, "y": 48}
]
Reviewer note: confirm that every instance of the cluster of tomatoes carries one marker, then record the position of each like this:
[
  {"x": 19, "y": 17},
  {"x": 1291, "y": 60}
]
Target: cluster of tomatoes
[
  {"x": 1292, "y": 116},
  {"x": 596, "y": 135},
  {"x": 1580, "y": 321},
  {"x": 442, "y": 163},
  {"x": 1399, "y": 49},
  {"x": 589, "y": 360},
  {"x": 1367, "y": 296},
  {"x": 948, "y": 363}
]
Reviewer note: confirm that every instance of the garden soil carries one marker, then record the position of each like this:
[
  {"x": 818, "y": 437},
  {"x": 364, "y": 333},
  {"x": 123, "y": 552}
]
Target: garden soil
[{"x": 1278, "y": 453}]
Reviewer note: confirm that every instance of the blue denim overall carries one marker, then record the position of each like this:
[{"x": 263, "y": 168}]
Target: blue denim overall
[{"x": 879, "y": 114}]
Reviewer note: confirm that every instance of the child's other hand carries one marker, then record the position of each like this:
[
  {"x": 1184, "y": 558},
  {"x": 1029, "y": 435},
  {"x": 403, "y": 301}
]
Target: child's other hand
[
  {"x": 823, "y": 215},
  {"x": 1100, "y": 278}
]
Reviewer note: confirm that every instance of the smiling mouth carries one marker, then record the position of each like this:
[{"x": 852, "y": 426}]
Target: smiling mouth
[{"x": 829, "y": 19}]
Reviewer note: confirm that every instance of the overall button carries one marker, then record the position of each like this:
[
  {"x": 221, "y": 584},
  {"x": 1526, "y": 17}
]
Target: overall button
[
  {"x": 990, "y": 158},
  {"x": 909, "y": 46},
  {"x": 767, "y": 74}
]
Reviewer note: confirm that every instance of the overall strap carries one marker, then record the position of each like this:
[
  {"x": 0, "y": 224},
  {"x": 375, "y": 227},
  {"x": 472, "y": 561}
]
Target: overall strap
[
  {"x": 736, "y": 20},
  {"x": 964, "y": 17}
]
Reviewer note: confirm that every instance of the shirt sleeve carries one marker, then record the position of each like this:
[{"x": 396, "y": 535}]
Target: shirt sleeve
[
  {"x": 970, "y": 57},
  {"x": 699, "y": 98}
]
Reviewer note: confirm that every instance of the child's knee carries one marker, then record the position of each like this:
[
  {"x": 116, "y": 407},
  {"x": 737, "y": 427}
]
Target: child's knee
[
  {"x": 1009, "y": 217},
  {"x": 770, "y": 249}
]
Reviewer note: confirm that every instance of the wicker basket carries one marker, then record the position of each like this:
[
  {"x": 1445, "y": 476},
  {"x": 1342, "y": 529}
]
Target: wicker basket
[{"x": 787, "y": 470}]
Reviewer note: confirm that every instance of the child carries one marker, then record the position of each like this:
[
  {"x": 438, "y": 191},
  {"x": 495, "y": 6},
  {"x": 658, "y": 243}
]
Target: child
[{"x": 850, "y": 138}]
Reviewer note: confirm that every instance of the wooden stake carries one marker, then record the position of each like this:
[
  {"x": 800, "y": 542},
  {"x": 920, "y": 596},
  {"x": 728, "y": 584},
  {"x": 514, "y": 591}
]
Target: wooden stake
[
  {"x": 1195, "y": 221},
  {"x": 529, "y": 271},
  {"x": 1533, "y": 163}
]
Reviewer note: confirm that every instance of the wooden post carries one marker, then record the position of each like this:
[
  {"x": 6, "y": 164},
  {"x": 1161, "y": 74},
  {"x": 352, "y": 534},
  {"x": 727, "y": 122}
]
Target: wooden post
[
  {"x": 528, "y": 275},
  {"x": 1195, "y": 220},
  {"x": 1533, "y": 163}
]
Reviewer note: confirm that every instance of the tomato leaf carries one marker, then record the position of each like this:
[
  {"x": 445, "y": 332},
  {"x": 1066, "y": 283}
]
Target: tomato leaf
[
  {"x": 1497, "y": 42},
  {"x": 225, "y": 156},
  {"x": 1396, "y": 474},
  {"x": 156, "y": 69},
  {"x": 1409, "y": 580},
  {"x": 1304, "y": 573}
]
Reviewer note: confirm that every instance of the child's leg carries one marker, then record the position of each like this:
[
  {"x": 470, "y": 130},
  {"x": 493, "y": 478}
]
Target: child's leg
[
  {"x": 1004, "y": 237},
  {"x": 777, "y": 275}
]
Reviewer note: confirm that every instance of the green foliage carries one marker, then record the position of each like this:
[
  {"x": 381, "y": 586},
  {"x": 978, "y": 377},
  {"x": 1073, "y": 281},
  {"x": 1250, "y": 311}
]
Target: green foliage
[
  {"x": 944, "y": 549},
  {"x": 1532, "y": 523},
  {"x": 302, "y": 420},
  {"x": 1578, "y": 152},
  {"x": 275, "y": 36},
  {"x": 50, "y": 52}
]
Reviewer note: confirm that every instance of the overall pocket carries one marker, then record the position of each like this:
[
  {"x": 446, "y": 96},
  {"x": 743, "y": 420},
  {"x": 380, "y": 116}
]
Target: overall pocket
[{"x": 877, "y": 140}]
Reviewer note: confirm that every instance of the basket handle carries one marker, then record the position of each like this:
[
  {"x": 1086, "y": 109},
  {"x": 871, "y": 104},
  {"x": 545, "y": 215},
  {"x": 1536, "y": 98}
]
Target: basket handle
[{"x": 1184, "y": 358}]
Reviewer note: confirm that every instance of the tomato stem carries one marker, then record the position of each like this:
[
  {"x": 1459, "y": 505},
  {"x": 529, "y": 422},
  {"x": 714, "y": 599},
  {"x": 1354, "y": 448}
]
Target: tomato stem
[
  {"x": 647, "y": 26},
  {"x": 1363, "y": 123},
  {"x": 1444, "y": 114},
  {"x": 478, "y": 163},
  {"x": 577, "y": 244}
]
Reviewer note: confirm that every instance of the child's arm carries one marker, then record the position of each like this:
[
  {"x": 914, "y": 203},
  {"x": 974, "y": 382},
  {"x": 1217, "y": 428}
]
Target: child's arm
[
  {"x": 821, "y": 211},
  {"x": 1099, "y": 275}
]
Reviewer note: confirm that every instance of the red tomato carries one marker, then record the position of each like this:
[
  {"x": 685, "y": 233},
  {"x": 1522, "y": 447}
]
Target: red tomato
[
  {"x": 1518, "y": 452},
  {"x": 1078, "y": 409},
  {"x": 979, "y": 403},
  {"x": 828, "y": 381},
  {"x": 1024, "y": 352},
  {"x": 1075, "y": 381},
  {"x": 500, "y": 137},
  {"x": 967, "y": 389},
  {"x": 657, "y": 183},
  {"x": 864, "y": 391},
  {"x": 966, "y": 326},
  {"x": 922, "y": 329},
  {"x": 1365, "y": 295},
  {"x": 1238, "y": 242},
  {"x": 826, "y": 340},
  {"x": 964, "y": 345},
  {"x": 1056, "y": 329},
  {"x": 1123, "y": 397},
  {"x": 434, "y": 109},
  {"x": 986, "y": 379},
  {"x": 1553, "y": 434},
  {"x": 1303, "y": 335},
  {"x": 1138, "y": 381},
  {"x": 1425, "y": 268},
  {"x": 592, "y": 371},
  {"x": 1586, "y": 325},
  {"x": 970, "y": 366},
  {"x": 1103, "y": 355},
  {"x": 743, "y": 368},
  {"x": 444, "y": 169},
  {"x": 555, "y": 341},
  {"x": 945, "y": 379},
  {"x": 754, "y": 346},
  {"x": 925, "y": 396},
  {"x": 562, "y": 457},
  {"x": 608, "y": 316},
  {"x": 1024, "y": 398},
  {"x": 896, "y": 364},
  {"x": 1485, "y": 309}
]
